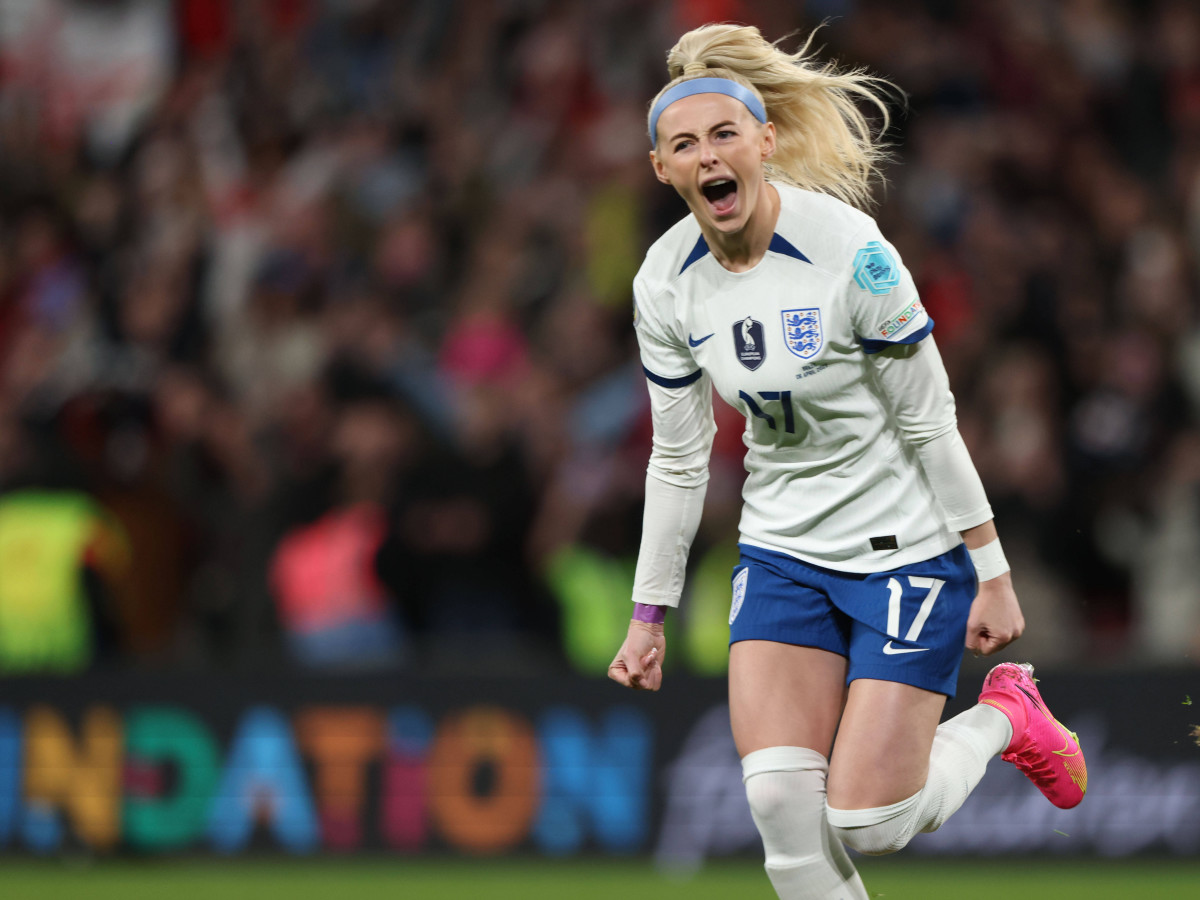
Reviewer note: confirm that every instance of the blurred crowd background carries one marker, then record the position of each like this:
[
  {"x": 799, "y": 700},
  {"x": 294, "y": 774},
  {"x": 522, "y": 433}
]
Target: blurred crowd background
[{"x": 315, "y": 341}]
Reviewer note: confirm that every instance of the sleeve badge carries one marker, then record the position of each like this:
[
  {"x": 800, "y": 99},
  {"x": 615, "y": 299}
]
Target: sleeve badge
[{"x": 875, "y": 269}]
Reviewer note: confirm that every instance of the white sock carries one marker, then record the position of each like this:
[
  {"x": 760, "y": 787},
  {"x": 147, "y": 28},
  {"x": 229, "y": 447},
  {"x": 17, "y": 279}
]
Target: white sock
[
  {"x": 804, "y": 860},
  {"x": 962, "y": 747}
]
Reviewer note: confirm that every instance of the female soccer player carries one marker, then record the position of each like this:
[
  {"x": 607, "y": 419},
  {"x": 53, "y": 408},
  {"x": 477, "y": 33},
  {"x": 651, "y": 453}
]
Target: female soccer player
[{"x": 868, "y": 552}]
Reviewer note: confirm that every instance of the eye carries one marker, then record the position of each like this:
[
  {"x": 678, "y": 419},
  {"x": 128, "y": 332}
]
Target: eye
[
  {"x": 682, "y": 145},
  {"x": 725, "y": 133}
]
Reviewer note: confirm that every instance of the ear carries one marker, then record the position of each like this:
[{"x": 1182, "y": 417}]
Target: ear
[
  {"x": 768, "y": 141},
  {"x": 659, "y": 171}
]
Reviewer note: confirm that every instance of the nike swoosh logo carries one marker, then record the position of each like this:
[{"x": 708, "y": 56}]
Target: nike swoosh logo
[
  {"x": 1062, "y": 729},
  {"x": 892, "y": 651},
  {"x": 694, "y": 342}
]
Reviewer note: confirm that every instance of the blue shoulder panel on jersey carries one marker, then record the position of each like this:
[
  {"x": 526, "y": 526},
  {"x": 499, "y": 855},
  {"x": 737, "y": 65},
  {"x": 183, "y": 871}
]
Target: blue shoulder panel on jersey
[
  {"x": 779, "y": 245},
  {"x": 697, "y": 252},
  {"x": 672, "y": 382},
  {"x": 870, "y": 346}
]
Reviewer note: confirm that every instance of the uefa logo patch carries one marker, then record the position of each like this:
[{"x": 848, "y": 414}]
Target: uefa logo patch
[
  {"x": 739, "y": 593},
  {"x": 875, "y": 269},
  {"x": 802, "y": 331},
  {"x": 748, "y": 342}
]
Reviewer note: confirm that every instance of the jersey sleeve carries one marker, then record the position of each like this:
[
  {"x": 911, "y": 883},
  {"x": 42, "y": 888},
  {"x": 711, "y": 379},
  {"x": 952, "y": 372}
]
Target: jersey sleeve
[
  {"x": 917, "y": 389},
  {"x": 666, "y": 359},
  {"x": 677, "y": 474},
  {"x": 676, "y": 482},
  {"x": 883, "y": 302}
]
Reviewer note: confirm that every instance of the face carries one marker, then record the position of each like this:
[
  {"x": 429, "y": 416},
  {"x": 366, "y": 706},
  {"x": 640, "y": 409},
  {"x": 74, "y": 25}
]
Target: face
[{"x": 711, "y": 149}]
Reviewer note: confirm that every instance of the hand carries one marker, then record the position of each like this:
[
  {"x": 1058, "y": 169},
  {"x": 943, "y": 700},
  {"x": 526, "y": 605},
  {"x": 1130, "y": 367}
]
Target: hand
[
  {"x": 996, "y": 620},
  {"x": 638, "y": 663}
]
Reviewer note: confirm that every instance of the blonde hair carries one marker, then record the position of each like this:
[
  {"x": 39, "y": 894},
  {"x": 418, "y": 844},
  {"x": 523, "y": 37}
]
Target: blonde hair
[{"x": 824, "y": 142}]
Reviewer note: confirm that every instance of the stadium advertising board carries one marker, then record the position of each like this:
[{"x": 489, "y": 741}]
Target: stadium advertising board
[
  {"x": 517, "y": 765},
  {"x": 331, "y": 764},
  {"x": 481, "y": 780}
]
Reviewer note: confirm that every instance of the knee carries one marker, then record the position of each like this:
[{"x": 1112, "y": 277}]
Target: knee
[
  {"x": 775, "y": 807},
  {"x": 877, "y": 831},
  {"x": 785, "y": 786},
  {"x": 870, "y": 840}
]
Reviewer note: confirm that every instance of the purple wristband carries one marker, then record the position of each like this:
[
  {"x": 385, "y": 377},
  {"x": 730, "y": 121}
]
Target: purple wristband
[{"x": 650, "y": 613}]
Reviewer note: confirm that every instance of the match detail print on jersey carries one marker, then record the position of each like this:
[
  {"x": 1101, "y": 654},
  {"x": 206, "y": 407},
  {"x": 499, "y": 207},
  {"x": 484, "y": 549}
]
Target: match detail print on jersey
[
  {"x": 802, "y": 331},
  {"x": 748, "y": 342}
]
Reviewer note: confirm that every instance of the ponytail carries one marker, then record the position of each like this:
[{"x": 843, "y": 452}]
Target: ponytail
[{"x": 824, "y": 142}]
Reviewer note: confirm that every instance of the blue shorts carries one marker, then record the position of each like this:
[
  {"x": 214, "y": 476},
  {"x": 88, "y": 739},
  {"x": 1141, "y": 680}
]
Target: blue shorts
[{"x": 907, "y": 625}]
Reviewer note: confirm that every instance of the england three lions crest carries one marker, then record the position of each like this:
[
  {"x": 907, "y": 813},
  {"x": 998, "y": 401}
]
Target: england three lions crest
[{"x": 802, "y": 331}]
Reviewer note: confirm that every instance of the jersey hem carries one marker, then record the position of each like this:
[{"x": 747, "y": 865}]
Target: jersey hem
[
  {"x": 971, "y": 519},
  {"x": 872, "y": 346},
  {"x": 927, "y": 549},
  {"x": 655, "y": 599},
  {"x": 663, "y": 381}
]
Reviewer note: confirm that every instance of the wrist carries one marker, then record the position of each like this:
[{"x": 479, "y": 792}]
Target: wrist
[
  {"x": 989, "y": 560},
  {"x": 650, "y": 613}
]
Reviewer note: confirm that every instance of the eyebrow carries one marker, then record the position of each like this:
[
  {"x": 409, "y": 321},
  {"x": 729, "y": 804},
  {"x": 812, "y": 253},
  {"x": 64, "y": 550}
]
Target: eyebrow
[{"x": 683, "y": 134}]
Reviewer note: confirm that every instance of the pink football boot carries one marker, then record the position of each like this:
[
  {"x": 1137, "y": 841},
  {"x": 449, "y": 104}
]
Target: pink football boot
[{"x": 1041, "y": 746}]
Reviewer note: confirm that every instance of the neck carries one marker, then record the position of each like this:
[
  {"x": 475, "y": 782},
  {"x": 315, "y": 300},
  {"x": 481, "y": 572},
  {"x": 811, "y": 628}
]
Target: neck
[{"x": 741, "y": 250}]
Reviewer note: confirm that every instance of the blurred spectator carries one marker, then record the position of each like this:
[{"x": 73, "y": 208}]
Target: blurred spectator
[
  {"x": 455, "y": 552},
  {"x": 91, "y": 71},
  {"x": 62, "y": 558}
]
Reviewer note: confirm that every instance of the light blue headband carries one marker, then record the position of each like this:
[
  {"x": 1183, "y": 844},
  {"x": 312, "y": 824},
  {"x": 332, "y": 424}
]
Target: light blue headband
[{"x": 705, "y": 86}]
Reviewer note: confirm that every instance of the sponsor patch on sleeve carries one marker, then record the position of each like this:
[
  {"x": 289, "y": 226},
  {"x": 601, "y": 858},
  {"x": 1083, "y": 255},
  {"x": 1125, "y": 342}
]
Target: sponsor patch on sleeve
[{"x": 897, "y": 323}]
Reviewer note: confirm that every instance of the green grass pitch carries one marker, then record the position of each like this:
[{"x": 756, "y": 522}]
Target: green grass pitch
[{"x": 466, "y": 879}]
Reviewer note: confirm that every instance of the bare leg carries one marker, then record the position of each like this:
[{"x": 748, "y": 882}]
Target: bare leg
[
  {"x": 781, "y": 695},
  {"x": 882, "y": 753},
  {"x": 896, "y": 772},
  {"x": 784, "y": 706}
]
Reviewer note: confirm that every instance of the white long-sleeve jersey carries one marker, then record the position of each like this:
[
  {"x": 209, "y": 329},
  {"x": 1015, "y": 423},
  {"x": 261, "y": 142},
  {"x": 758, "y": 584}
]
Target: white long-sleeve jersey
[{"x": 853, "y": 455}]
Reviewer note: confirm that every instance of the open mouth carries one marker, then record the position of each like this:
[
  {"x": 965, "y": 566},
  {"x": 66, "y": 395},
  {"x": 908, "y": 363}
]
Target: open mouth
[{"x": 721, "y": 195}]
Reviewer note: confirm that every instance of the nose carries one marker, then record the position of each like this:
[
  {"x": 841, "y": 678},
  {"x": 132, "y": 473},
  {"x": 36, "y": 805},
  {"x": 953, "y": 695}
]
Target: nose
[{"x": 708, "y": 153}]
